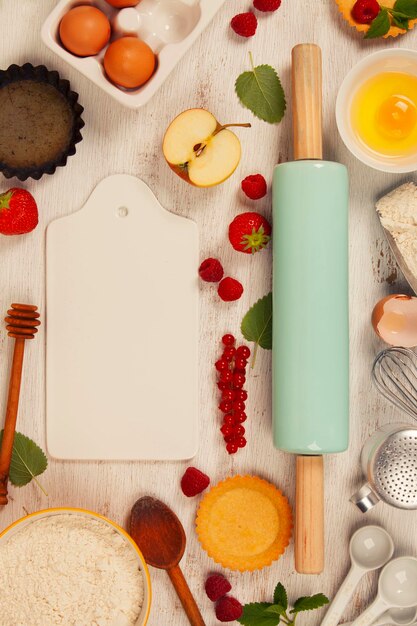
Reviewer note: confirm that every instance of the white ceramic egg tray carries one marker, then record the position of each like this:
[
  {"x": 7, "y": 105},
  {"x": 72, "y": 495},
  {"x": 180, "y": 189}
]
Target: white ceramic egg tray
[{"x": 169, "y": 27}]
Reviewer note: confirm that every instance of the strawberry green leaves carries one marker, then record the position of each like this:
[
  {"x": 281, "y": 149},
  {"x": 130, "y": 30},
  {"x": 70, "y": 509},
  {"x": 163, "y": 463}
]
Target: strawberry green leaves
[
  {"x": 257, "y": 324},
  {"x": 271, "y": 614},
  {"x": 28, "y": 461},
  {"x": 399, "y": 15},
  {"x": 260, "y": 91},
  {"x": 379, "y": 26}
]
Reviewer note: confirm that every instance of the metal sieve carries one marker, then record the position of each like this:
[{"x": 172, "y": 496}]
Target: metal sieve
[{"x": 389, "y": 462}]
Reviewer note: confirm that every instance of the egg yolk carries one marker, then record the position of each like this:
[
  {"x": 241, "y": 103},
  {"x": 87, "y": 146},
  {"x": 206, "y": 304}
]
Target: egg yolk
[
  {"x": 384, "y": 114},
  {"x": 396, "y": 117}
]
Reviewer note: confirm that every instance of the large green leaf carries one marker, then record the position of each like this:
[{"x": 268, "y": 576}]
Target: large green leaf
[
  {"x": 309, "y": 603},
  {"x": 254, "y": 615},
  {"x": 28, "y": 460},
  {"x": 260, "y": 90},
  {"x": 257, "y": 324}
]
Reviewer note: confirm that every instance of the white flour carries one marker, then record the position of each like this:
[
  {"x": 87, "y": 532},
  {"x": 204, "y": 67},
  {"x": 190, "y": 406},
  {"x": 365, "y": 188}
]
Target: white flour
[
  {"x": 398, "y": 213},
  {"x": 71, "y": 570}
]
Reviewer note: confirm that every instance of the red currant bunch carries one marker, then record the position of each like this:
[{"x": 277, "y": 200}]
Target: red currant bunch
[{"x": 231, "y": 370}]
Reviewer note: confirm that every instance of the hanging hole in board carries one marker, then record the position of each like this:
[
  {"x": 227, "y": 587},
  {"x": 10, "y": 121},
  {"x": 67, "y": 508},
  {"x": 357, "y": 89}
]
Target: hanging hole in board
[{"x": 122, "y": 211}]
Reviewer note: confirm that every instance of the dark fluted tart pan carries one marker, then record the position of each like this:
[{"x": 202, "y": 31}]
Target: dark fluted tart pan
[{"x": 40, "y": 121}]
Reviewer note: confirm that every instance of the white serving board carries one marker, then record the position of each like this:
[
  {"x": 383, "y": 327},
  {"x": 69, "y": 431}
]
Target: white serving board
[{"x": 122, "y": 328}]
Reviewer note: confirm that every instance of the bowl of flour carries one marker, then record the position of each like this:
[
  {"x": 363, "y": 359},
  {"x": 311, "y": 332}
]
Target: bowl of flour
[{"x": 71, "y": 567}]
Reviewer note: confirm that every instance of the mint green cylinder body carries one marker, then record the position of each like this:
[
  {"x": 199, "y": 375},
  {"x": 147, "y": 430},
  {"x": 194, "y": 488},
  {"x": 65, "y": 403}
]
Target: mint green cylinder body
[{"x": 310, "y": 307}]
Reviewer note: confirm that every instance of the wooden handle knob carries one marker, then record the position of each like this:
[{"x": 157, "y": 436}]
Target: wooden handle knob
[
  {"x": 187, "y": 599},
  {"x": 309, "y": 515},
  {"x": 307, "y": 101},
  {"x": 22, "y": 320}
]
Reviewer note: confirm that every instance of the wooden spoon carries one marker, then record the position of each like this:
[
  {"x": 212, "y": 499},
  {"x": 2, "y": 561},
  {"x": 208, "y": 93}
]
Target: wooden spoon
[{"x": 160, "y": 536}]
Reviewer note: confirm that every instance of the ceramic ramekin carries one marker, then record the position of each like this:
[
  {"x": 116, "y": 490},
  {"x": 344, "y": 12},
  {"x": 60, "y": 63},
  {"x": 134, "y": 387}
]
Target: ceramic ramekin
[
  {"x": 393, "y": 60},
  {"x": 20, "y": 523}
]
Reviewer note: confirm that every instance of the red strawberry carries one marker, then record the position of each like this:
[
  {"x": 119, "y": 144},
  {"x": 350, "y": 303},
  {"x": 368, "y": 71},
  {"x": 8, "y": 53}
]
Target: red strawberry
[
  {"x": 230, "y": 289},
  {"x": 365, "y": 11},
  {"x": 211, "y": 271},
  {"x": 228, "y": 609},
  {"x": 217, "y": 586},
  {"x": 244, "y": 24},
  {"x": 194, "y": 482},
  {"x": 249, "y": 232},
  {"x": 18, "y": 212},
  {"x": 267, "y": 5},
  {"x": 254, "y": 186}
]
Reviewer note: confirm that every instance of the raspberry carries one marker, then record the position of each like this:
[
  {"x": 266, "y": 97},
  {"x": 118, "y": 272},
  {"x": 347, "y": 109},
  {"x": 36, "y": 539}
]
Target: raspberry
[
  {"x": 267, "y": 5},
  {"x": 254, "y": 186},
  {"x": 228, "y": 609},
  {"x": 194, "y": 482},
  {"x": 244, "y": 24},
  {"x": 211, "y": 271},
  {"x": 365, "y": 11},
  {"x": 217, "y": 586},
  {"x": 230, "y": 289}
]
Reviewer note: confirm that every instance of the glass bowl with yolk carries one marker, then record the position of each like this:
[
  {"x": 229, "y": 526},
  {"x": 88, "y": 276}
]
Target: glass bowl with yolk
[{"x": 376, "y": 110}]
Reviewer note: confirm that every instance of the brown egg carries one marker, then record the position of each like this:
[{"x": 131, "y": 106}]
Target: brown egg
[
  {"x": 129, "y": 62},
  {"x": 120, "y": 4},
  {"x": 395, "y": 320},
  {"x": 84, "y": 30}
]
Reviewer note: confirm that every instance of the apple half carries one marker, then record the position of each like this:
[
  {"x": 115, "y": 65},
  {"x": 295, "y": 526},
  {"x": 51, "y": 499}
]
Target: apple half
[{"x": 200, "y": 150}]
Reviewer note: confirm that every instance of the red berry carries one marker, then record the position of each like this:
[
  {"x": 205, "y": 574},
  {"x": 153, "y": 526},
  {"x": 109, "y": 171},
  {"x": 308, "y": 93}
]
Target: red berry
[
  {"x": 217, "y": 586},
  {"x": 222, "y": 385},
  {"x": 238, "y": 405},
  {"x": 227, "y": 430},
  {"x": 18, "y": 212},
  {"x": 242, "y": 372},
  {"x": 226, "y": 376},
  {"x": 241, "y": 394},
  {"x": 228, "y": 394},
  {"x": 243, "y": 352},
  {"x": 229, "y": 420},
  {"x": 240, "y": 364},
  {"x": 244, "y": 24},
  {"x": 228, "y": 340},
  {"x": 241, "y": 442},
  {"x": 238, "y": 380},
  {"x": 221, "y": 365},
  {"x": 238, "y": 431},
  {"x": 225, "y": 406},
  {"x": 229, "y": 438},
  {"x": 194, "y": 482},
  {"x": 229, "y": 289},
  {"x": 267, "y": 5},
  {"x": 229, "y": 353},
  {"x": 240, "y": 416},
  {"x": 211, "y": 271},
  {"x": 232, "y": 448},
  {"x": 249, "y": 232},
  {"x": 254, "y": 186},
  {"x": 365, "y": 11}
]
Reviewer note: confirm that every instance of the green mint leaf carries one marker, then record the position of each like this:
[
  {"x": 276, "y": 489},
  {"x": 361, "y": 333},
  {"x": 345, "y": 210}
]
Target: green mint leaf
[
  {"x": 28, "y": 461},
  {"x": 257, "y": 324},
  {"x": 280, "y": 596},
  {"x": 275, "y": 609},
  {"x": 379, "y": 26},
  {"x": 261, "y": 92},
  {"x": 255, "y": 614},
  {"x": 401, "y": 22},
  {"x": 408, "y": 7},
  {"x": 309, "y": 603}
]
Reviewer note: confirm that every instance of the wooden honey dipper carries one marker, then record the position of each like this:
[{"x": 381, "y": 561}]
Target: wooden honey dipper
[{"x": 22, "y": 321}]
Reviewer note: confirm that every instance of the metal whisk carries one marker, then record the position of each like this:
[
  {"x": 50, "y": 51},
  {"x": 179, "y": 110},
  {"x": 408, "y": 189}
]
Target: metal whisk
[{"x": 394, "y": 373}]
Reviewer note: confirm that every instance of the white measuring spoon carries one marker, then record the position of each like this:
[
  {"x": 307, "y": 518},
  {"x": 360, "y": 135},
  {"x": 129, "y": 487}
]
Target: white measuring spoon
[
  {"x": 400, "y": 617},
  {"x": 370, "y": 548},
  {"x": 397, "y": 587}
]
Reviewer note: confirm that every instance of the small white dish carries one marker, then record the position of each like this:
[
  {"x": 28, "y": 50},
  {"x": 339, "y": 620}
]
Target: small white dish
[
  {"x": 169, "y": 27},
  {"x": 393, "y": 60}
]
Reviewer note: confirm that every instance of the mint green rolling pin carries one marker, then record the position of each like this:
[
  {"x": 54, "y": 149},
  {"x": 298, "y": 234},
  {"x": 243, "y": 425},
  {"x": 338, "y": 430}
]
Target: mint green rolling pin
[{"x": 310, "y": 308}]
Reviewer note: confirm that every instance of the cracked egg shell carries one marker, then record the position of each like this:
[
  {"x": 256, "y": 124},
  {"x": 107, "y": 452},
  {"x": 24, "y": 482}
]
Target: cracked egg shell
[{"x": 394, "y": 319}]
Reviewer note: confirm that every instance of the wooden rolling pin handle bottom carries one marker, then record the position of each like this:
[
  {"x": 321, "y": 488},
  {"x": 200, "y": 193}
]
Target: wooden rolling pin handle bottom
[
  {"x": 309, "y": 515},
  {"x": 183, "y": 591}
]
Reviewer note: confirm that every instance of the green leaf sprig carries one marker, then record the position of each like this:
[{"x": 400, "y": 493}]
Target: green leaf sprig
[
  {"x": 277, "y": 612},
  {"x": 28, "y": 461},
  {"x": 399, "y": 15},
  {"x": 260, "y": 91},
  {"x": 257, "y": 325}
]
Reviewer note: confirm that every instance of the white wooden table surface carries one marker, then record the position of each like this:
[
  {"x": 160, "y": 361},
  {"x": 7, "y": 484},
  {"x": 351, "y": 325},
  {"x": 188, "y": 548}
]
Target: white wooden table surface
[{"x": 117, "y": 140}]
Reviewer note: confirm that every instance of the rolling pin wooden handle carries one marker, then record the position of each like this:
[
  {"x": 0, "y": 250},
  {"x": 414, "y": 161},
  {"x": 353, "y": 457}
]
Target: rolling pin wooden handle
[
  {"x": 11, "y": 417},
  {"x": 187, "y": 600},
  {"x": 307, "y": 101},
  {"x": 309, "y": 522}
]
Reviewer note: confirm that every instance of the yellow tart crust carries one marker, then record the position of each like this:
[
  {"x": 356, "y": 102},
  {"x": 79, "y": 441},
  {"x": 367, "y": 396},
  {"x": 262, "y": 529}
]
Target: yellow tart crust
[{"x": 345, "y": 7}]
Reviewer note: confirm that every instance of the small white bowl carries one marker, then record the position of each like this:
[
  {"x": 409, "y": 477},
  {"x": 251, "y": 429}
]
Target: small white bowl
[
  {"x": 24, "y": 521},
  {"x": 393, "y": 60}
]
